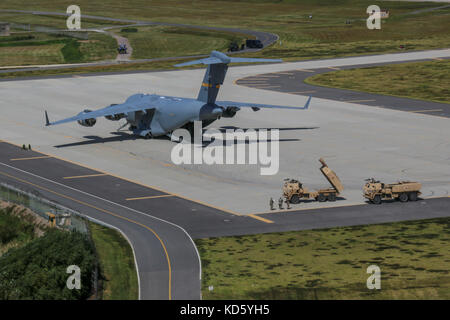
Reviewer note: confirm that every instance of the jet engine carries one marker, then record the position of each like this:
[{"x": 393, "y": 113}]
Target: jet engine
[
  {"x": 87, "y": 122},
  {"x": 116, "y": 117},
  {"x": 230, "y": 112}
]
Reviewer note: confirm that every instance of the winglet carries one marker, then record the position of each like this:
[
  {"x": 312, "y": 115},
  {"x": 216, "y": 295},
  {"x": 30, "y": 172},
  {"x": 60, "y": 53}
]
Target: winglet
[
  {"x": 47, "y": 122},
  {"x": 307, "y": 103}
]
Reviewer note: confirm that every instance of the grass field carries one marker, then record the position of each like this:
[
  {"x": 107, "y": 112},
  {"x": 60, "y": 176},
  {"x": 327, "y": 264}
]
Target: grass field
[
  {"x": 33, "y": 48},
  {"x": 159, "y": 41},
  {"x": 414, "y": 258},
  {"x": 419, "y": 80},
  {"x": 326, "y": 34},
  {"x": 116, "y": 264}
]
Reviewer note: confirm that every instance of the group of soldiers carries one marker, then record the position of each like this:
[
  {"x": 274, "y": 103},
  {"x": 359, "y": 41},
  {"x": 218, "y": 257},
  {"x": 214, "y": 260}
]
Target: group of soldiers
[{"x": 280, "y": 204}]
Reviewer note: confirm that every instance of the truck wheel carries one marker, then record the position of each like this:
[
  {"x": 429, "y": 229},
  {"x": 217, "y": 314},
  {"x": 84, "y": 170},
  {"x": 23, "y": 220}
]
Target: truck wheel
[
  {"x": 412, "y": 196},
  {"x": 321, "y": 198},
  {"x": 294, "y": 199},
  {"x": 332, "y": 197},
  {"x": 377, "y": 199},
  {"x": 403, "y": 197}
]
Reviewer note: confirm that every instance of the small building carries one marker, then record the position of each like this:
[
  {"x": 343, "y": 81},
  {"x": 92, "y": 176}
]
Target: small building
[{"x": 4, "y": 29}]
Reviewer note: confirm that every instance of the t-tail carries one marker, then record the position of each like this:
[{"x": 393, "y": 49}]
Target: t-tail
[{"x": 215, "y": 73}]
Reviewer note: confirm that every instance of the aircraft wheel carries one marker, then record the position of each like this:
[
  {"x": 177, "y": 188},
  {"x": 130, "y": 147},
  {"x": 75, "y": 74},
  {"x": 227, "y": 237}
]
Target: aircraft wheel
[
  {"x": 403, "y": 197},
  {"x": 294, "y": 199},
  {"x": 377, "y": 199},
  {"x": 412, "y": 196}
]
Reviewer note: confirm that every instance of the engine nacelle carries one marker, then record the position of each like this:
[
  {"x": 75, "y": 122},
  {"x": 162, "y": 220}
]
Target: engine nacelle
[
  {"x": 116, "y": 117},
  {"x": 87, "y": 122},
  {"x": 230, "y": 112}
]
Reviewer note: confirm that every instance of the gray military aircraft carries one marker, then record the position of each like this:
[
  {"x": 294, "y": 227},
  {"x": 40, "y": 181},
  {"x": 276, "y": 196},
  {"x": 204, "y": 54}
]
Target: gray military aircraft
[{"x": 151, "y": 115}]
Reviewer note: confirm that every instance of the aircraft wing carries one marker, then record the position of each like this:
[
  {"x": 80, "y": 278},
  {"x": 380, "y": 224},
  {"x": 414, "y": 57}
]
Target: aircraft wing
[
  {"x": 256, "y": 106},
  {"x": 108, "y": 111}
]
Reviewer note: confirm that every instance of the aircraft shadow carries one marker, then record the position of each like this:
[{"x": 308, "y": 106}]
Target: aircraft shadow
[
  {"x": 119, "y": 136},
  {"x": 224, "y": 128}
]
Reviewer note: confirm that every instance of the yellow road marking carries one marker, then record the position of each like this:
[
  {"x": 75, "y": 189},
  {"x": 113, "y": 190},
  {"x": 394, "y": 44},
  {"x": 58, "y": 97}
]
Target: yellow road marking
[
  {"x": 430, "y": 110},
  {"x": 257, "y": 87},
  {"x": 334, "y": 68},
  {"x": 107, "y": 212},
  {"x": 300, "y": 92},
  {"x": 31, "y": 158},
  {"x": 149, "y": 197},
  {"x": 269, "y": 76},
  {"x": 305, "y": 70},
  {"x": 86, "y": 176},
  {"x": 358, "y": 100},
  {"x": 259, "y": 218}
]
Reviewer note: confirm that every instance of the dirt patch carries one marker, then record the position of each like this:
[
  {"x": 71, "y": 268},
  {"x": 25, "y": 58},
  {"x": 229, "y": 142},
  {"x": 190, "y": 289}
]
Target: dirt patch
[{"x": 40, "y": 224}]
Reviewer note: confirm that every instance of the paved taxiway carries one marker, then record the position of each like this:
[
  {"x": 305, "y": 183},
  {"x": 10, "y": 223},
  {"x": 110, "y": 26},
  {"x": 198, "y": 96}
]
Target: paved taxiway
[
  {"x": 160, "y": 225},
  {"x": 293, "y": 82},
  {"x": 357, "y": 141}
]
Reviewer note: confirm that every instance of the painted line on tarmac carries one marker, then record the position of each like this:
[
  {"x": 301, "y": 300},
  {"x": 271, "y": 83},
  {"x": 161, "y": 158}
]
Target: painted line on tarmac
[
  {"x": 133, "y": 181},
  {"x": 430, "y": 110},
  {"x": 150, "y": 197},
  {"x": 254, "y": 216},
  {"x": 87, "y": 176},
  {"x": 355, "y": 101},
  {"x": 30, "y": 158}
]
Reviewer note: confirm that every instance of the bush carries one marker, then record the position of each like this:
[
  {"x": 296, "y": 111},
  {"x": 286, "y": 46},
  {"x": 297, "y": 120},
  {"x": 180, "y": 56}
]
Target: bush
[
  {"x": 129, "y": 30},
  {"x": 13, "y": 227},
  {"x": 38, "y": 269},
  {"x": 71, "y": 51}
]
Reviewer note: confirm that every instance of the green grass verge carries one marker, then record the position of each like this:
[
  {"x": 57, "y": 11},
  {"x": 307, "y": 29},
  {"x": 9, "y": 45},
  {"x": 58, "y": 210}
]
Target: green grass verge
[
  {"x": 116, "y": 264},
  {"x": 419, "y": 80},
  {"x": 331, "y": 264}
]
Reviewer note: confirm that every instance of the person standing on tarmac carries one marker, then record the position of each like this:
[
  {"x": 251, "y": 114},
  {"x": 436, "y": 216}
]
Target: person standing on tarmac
[{"x": 280, "y": 203}]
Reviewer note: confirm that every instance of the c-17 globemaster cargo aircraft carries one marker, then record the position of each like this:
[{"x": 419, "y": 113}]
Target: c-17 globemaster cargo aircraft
[{"x": 151, "y": 115}]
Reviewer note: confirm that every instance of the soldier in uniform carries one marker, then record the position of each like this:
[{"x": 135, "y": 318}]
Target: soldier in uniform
[
  {"x": 280, "y": 203},
  {"x": 287, "y": 203},
  {"x": 271, "y": 203}
]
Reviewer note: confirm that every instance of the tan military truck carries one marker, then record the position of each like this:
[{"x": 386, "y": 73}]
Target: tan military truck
[
  {"x": 294, "y": 191},
  {"x": 376, "y": 191}
]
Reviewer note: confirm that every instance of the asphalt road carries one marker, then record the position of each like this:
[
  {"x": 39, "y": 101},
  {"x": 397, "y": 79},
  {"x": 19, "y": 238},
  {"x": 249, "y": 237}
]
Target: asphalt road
[
  {"x": 159, "y": 225},
  {"x": 293, "y": 82}
]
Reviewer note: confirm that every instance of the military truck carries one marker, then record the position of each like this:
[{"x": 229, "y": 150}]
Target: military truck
[
  {"x": 256, "y": 44},
  {"x": 294, "y": 191},
  {"x": 376, "y": 191}
]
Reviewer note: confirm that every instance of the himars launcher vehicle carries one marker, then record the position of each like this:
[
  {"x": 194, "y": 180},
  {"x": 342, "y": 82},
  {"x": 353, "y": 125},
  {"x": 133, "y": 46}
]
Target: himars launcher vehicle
[{"x": 151, "y": 115}]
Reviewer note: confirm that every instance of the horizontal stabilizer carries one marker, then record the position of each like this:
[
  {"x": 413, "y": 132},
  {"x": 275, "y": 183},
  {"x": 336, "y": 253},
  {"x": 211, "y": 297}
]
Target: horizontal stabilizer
[
  {"x": 219, "y": 57},
  {"x": 256, "y": 106}
]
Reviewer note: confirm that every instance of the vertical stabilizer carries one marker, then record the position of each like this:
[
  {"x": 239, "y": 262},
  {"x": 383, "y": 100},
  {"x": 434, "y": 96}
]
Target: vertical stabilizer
[{"x": 213, "y": 79}]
